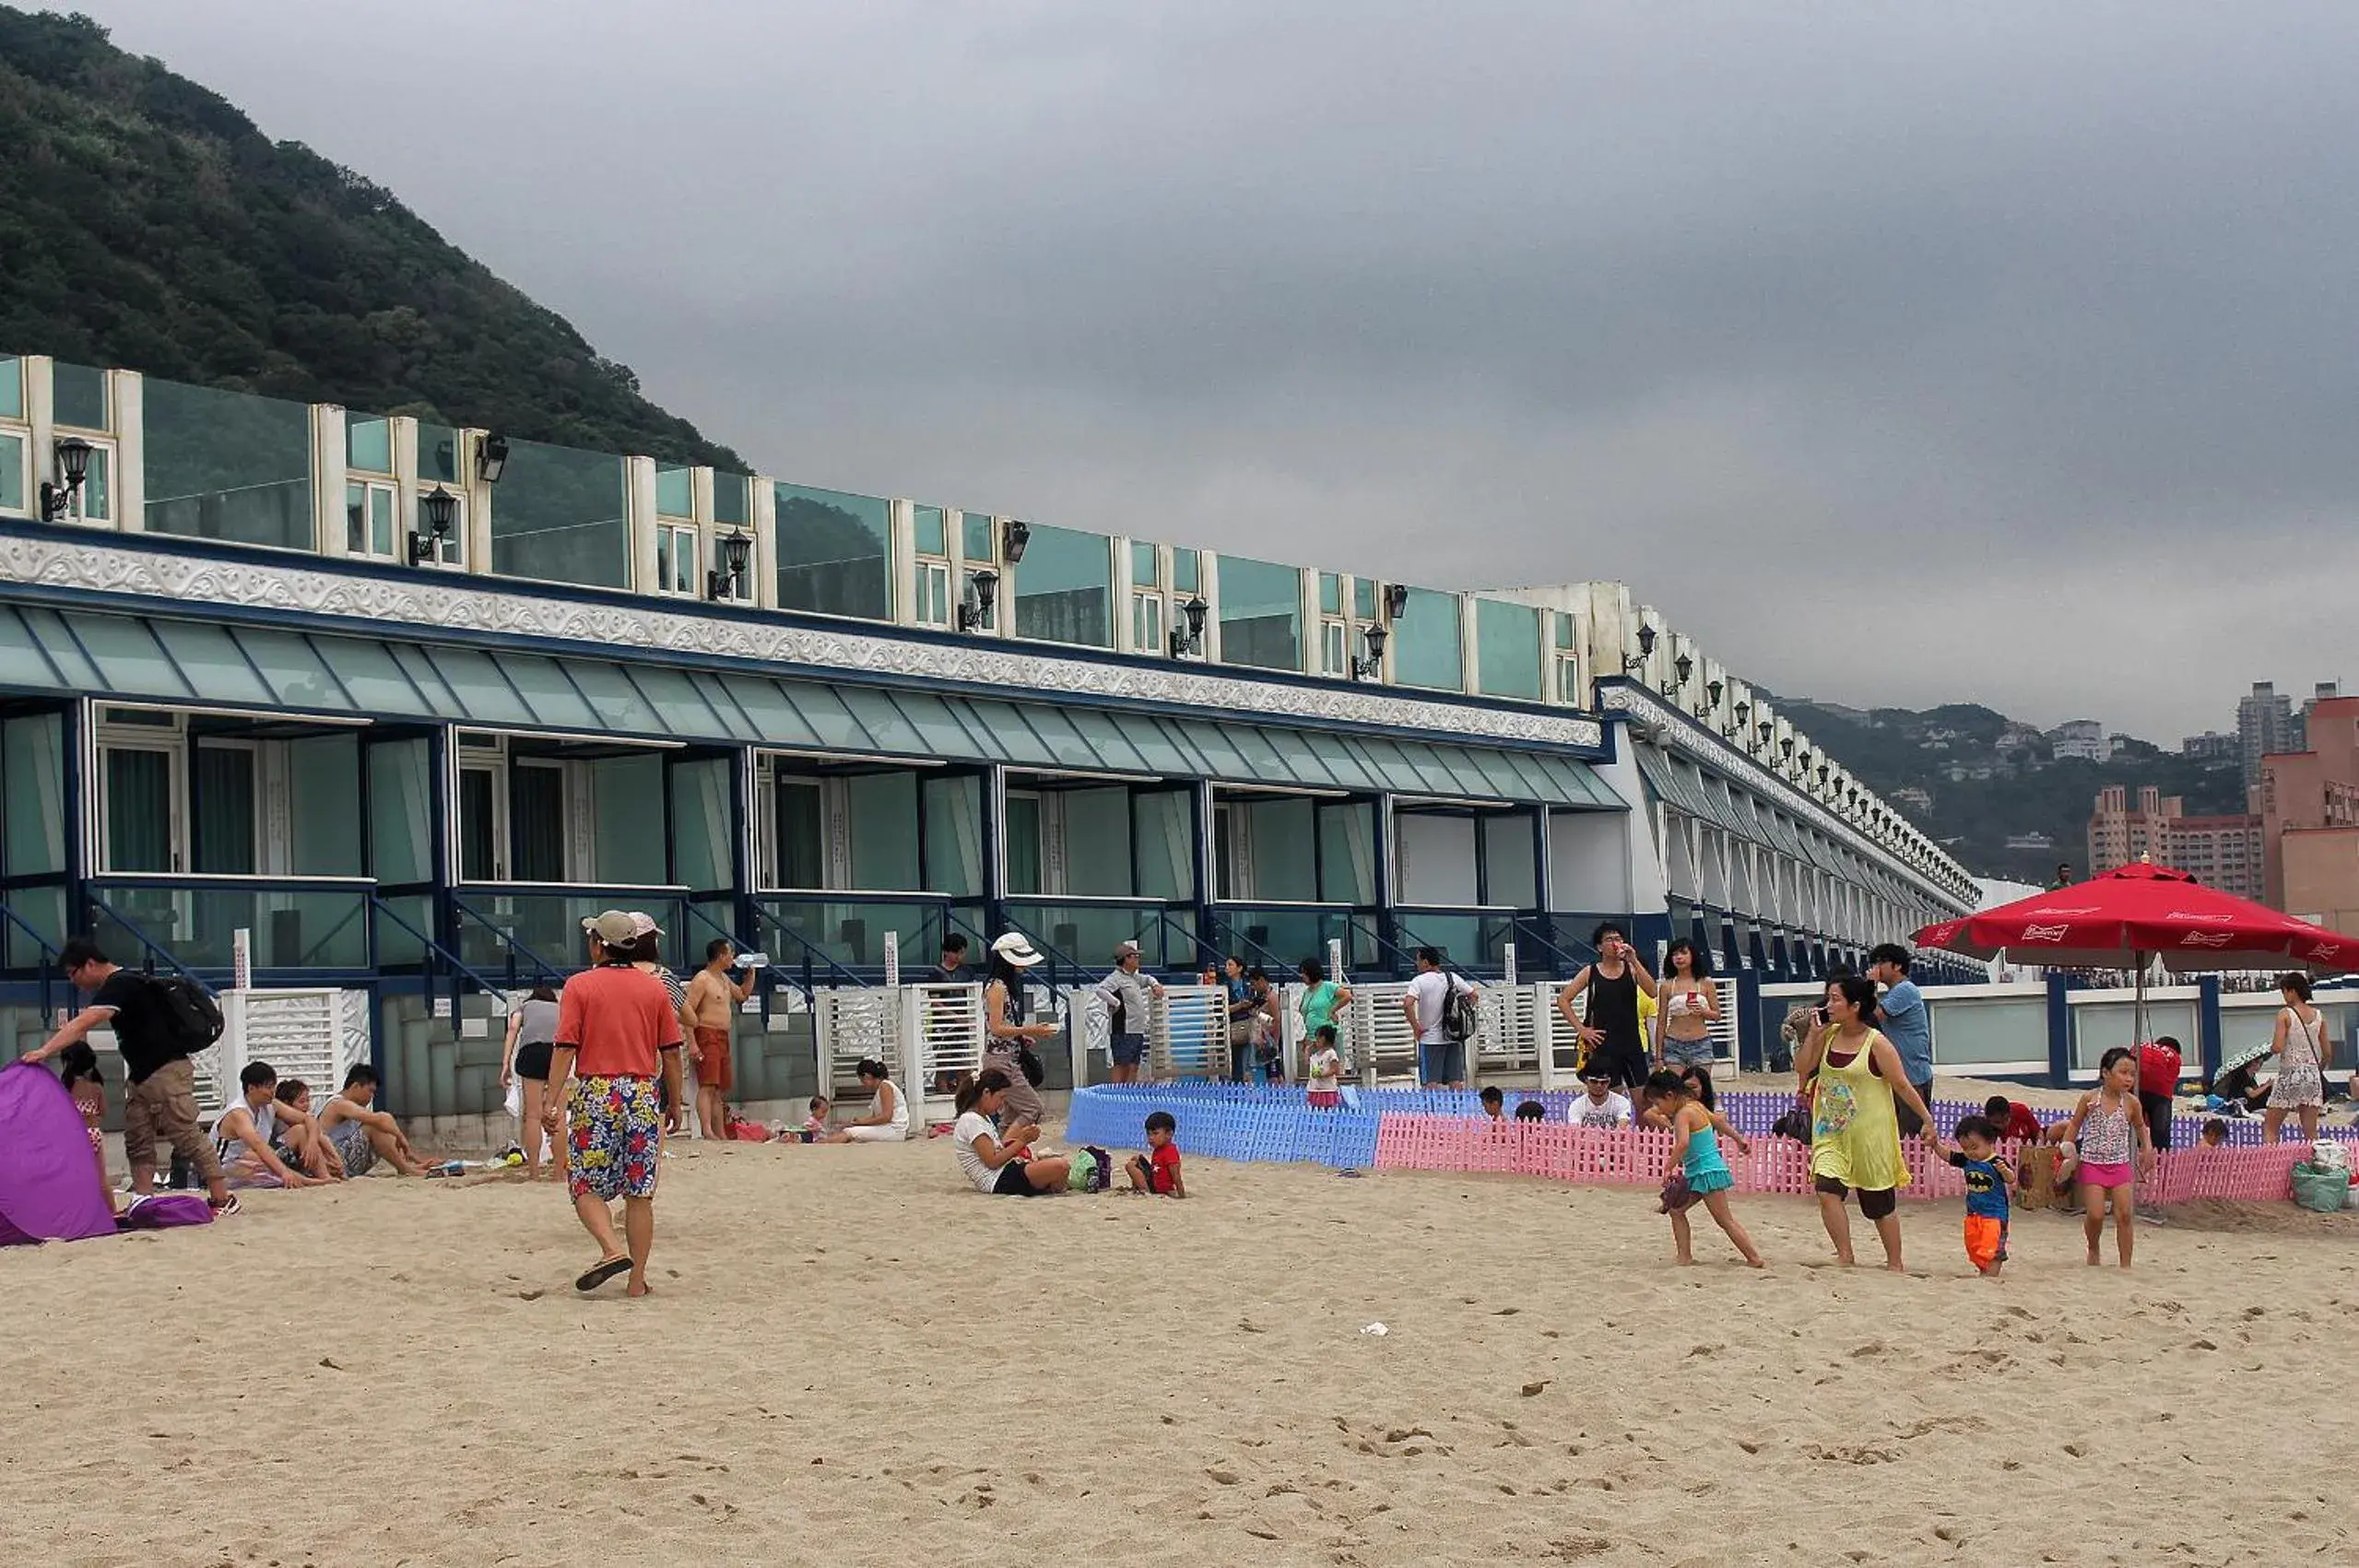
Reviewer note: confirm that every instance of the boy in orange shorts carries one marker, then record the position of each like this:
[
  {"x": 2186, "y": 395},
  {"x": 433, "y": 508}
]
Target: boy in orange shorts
[{"x": 1989, "y": 1178}]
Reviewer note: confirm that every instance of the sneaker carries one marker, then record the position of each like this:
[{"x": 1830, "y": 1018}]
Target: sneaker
[{"x": 223, "y": 1210}]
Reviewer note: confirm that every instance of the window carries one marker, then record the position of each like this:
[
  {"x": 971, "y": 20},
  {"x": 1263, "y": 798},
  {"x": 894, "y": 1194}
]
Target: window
[
  {"x": 978, "y": 540},
  {"x": 1261, "y": 614},
  {"x": 933, "y": 593},
  {"x": 453, "y": 550},
  {"x": 1187, "y": 572},
  {"x": 835, "y": 553},
  {"x": 1425, "y": 647},
  {"x": 369, "y": 518},
  {"x": 676, "y": 558},
  {"x": 1145, "y": 566},
  {"x": 1565, "y": 659},
  {"x": 14, "y": 490},
  {"x": 733, "y": 501},
  {"x": 1146, "y": 622},
  {"x": 12, "y": 387},
  {"x": 930, "y": 532},
  {"x": 1330, "y": 594},
  {"x": 94, "y": 502},
  {"x": 1507, "y": 654},
  {"x": 969, "y": 596},
  {"x": 1363, "y": 598},
  {"x": 675, "y": 492},
  {"x": 368, "y": 443},
  {"x": 1335, "y": 647}
]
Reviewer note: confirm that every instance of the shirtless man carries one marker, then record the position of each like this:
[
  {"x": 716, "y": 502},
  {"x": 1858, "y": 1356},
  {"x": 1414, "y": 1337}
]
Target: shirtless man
[{"x": 713, "y": 999}]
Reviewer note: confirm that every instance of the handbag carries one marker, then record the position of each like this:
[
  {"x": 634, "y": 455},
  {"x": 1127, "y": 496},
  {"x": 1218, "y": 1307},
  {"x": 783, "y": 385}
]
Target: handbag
[{"x": 1028, "y": 1062}]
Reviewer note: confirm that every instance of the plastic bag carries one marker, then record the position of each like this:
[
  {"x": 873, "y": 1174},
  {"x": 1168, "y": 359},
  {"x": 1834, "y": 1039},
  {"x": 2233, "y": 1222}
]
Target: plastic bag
[
  {"x": 515, "y": 1102},
  {"x": 2325, "y": 1191}
]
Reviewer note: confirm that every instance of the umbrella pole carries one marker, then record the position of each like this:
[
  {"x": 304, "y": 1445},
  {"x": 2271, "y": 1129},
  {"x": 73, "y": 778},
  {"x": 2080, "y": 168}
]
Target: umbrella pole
[{"x": 2137, "y": 1013}]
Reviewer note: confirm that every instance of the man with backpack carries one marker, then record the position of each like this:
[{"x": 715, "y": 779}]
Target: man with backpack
[
  {"x": 1445, "y": 1015},
  {"x": 159, "y": 1024}
]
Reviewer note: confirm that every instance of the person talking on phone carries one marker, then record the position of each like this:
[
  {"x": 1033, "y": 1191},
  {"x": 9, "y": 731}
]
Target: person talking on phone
[{"x": 1609, "y": 1034}]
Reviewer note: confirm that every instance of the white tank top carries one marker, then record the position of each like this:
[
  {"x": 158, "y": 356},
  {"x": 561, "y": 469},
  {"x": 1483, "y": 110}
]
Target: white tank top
[
  {"x": 1683, "y": 1004},
  {"x": 229, "y": 1149}
]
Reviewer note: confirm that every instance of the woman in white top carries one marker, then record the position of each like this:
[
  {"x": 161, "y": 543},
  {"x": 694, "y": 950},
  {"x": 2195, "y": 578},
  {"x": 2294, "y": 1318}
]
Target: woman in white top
[
  {"x": 996, "y": 1161},
  {"x": 888, "y": 1118},
  {"x": 1690, "y": 1005},
  {"x": 2302, "y": 1052}
]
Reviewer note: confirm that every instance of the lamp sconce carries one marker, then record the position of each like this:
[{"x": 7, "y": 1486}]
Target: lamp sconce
[
  {"x": 1370, "y": 667},
  {"x": 1645, "y": 649},
  {"x": 737, "y": 553},
  {"x": 1681, "y": 667},
  {"x": 491, "y": 458},
  {"x": 1189, "y": 639},
  {"x": 440, "y": 509},
  {"x": 1716, "y": 688},
  {"x": 73, "y": 467},
  {"x": 1395, "y": 601},
  {"x": 1785, "y": 748},
  {"x": 975, "y": 614},
  {"x": 1013, "y": 538}
]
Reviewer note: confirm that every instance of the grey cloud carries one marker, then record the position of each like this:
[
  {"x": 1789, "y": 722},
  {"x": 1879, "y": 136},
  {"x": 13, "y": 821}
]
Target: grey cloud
[{"x": 1904, "y": 353}]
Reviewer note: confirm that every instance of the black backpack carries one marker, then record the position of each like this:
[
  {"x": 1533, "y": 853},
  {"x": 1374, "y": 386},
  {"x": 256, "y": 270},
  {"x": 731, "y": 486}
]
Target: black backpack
[
  {"x": 188, "y": 1021},
  {"x": 1461, "y": 1011}
]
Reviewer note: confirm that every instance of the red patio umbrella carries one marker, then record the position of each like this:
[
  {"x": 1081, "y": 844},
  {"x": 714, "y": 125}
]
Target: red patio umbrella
[{"x": 2125, "y": 918}]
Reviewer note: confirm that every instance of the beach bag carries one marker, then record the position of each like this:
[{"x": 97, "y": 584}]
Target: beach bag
[
  {"x": 1796, "y": 1123},
  {"x": 1029, "y": 1063},
  {"x": 165, "y": 1210},
  {"x": 2325, "y": 1191},
  {"x": 192, "y": 1019},
  {"x": 1093, "y": 1170}
]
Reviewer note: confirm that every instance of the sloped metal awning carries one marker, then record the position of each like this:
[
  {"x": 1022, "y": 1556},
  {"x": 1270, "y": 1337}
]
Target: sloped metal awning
[{"x": 202, "y": 662}]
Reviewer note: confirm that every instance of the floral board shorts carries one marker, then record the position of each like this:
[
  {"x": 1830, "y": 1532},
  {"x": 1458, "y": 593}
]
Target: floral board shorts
[{"x": 614, "y": 1126}]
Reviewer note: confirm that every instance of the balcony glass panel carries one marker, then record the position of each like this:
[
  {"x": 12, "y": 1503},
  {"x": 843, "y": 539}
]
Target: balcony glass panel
[
  {"x": 323, "y": 783},
  {"x": 1425, "y": 647},
  {"x": 627, "y": 804},
  {"x": 368, "y": 443},
  {"x": 978, "y": 540},
  {"x": 1261, "y": 614},
  {"x": 32, "y": 774},
  {"x": 675, "y": 492},
  {"x": 835, "y": 553},
  {"x": 79, "y": 396},
  {"x": 930, "y": 530},
  {"x": 954, "y": 835},
  {"x": 438, "y": 454},
  {"x": 1507, "y": 654},
  {"x": 1064, "y": 588},
  {"x": 221, "y": 465},
  {"x": 12, "y": 387},
  {"x": 291, "y": 928},
  {"x": 400, "y": 824},
  {"x": 562, "y": 516}
]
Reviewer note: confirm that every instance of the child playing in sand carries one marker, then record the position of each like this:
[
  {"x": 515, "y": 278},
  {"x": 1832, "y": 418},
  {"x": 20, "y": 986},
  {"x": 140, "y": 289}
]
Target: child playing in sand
[
  {"x": 1987, "y": 1178},
  {"x": 1494, "y": 1105},
  {"x": 78, "y": 1070},
  {"x": 1325, "y": 1073},
  {"x": 1158, "y": 1170},
  {"x": 2109, "y": 1129},
  {"x": 1695, "y": 1157}
]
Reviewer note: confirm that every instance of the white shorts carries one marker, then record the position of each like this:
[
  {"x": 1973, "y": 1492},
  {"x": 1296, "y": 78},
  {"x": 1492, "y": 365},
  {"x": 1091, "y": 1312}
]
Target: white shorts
[{"x": 878, "y": 1135}]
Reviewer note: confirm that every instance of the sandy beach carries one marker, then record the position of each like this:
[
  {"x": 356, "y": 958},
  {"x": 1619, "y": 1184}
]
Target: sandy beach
[{"x": 852, "y": 1359}]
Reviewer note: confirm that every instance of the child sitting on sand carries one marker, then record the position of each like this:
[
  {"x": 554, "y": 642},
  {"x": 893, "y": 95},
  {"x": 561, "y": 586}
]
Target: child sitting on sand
[
  {"x": 1324, "y": 1072},
  {"x": 1494, "y": 1105},
  {"x": 1158, "y": 1170},
  {"x": 1987, "y": 1178},
  {"x": 2215, "y": 1133},
  {"x": 1697, "y": 1171}
]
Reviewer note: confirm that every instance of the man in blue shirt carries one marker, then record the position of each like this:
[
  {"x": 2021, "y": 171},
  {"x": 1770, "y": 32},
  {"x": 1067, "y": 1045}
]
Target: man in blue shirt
[{"x": 1905, "y": 1024}]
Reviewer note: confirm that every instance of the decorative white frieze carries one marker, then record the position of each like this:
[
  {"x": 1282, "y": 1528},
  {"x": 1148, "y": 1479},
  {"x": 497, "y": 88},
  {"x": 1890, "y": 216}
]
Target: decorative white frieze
[{"x": 447, "y": 601}]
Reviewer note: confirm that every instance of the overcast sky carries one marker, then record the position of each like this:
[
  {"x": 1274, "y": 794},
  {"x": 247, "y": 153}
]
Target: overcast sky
[{"x": 1903, "y": 352}]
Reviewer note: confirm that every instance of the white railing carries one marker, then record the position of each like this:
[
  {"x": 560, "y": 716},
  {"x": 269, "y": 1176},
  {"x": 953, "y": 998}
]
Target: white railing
[
  {"x": 313, "y": 1035},
  {"x": 1384, "y": 1045},
  {"x": 1187, "y": 1033},
  {"x": 942, "y": 1038}
]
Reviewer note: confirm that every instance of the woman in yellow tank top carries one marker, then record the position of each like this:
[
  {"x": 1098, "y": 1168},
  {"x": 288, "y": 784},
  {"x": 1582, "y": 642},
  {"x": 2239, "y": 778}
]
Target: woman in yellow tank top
[{"x": 1854, "y": 1075}]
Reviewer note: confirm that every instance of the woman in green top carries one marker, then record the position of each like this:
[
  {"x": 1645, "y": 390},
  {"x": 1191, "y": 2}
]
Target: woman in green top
[{"x": 1322, "y": 1000}]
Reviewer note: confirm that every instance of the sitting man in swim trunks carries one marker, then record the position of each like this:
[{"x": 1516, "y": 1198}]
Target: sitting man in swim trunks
[
  {"x": 361, "y": 1135},
  {"x": 713, "y": 999},
  {"x": 263, "y": 1142}
]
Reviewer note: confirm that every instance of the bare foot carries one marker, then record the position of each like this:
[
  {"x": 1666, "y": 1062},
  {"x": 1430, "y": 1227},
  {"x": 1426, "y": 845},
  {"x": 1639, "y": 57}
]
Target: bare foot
[
  {"x": 2094, "y": 1261},
  {"x": 639, "y": 1289},
  {"x": 1684, "y": 1261},
  {"x": 1756, "y": 1263},
  {"x": 1893, "y": 1267}
]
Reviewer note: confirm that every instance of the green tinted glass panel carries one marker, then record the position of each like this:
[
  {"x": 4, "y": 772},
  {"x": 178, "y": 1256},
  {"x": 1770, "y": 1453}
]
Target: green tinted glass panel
[
  {"x": 675, "y": 492},
  {"x": 1187, "y": 576},
  {"x": 1261, "y": 614},
  {"x": 884, "y": 809},
  {"x": 12, "y": 387},
  {"x": 1064, "y": 588},
  {"x": 323, "y": 783},
  {"x": 1364, "y": 597},
  {"x": 555, "y": 701},
  {"x": 953, "y": 844},
  {"x": 1568, "y": 631},
  {"x": 209, "y": 656},
  {"x": 128, "y": 656},
  {"x": 32, "y": 769},
  {"x": 932, "y": 530},
  {"x": 835, "y": 553},
  {"x": 1426, "y": 650},
  {"x": 13, "y": 489},
  {"x": 626, "y": 802},
  {"x": 1506, "y": 639},
  {"x": 438, "y": 454},
  {"x": 220, "y": 466},
  {"x": 400, "y": 800},
  {"x": 478, "y": 684},
  {"x": 293, "y": 670},
  {"x": 561, "y": 515},
  {"x": 79, "y": 396},
  {"x": 368, "y": 442},
  {"x": 1330, "y": 594},
  {"x": 1145, "y": 566},
  {"x": 614, "y": 697},
  {"x": 733, "y": 501},
  {"x": 976, "y": 540}
]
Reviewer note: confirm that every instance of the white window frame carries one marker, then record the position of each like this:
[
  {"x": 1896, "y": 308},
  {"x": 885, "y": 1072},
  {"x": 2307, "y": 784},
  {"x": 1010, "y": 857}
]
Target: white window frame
[
  {"x": 105, "y": 459},
  {"x": 172, "y": 744},
  {"x": 1565, "y": 676},
  {"x": 493, "y": 766},
  {"x": 1335, "y": 639},
  {"x": 933, "y": 604},
  {"x": 28, "y": 484},
  {"x": 1150, "y": 604},
  {"x": 370, "y": 489},
  {"x": 671, "y": 537}
]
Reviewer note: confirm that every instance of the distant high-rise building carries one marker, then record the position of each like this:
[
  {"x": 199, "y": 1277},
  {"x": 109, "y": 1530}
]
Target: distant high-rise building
[
  {"x": 2324, "y": 691},
  {"x": 2220, "y": 852},
  {"x": 2264, "y": 724},
  {"x": 2210, "y": 747}
]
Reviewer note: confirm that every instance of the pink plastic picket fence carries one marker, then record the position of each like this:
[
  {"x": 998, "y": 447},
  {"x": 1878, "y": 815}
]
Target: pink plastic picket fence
[{"x": 1637, "y": 1156}]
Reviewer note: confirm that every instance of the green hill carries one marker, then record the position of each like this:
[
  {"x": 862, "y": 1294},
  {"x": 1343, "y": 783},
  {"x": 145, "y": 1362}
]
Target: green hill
[
  {"x": 145, "y": 223},
  {"x": 1991, "y": 779}
]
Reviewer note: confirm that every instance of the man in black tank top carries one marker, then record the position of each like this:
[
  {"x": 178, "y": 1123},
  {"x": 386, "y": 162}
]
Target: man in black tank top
[{"x": 1610, "y": 1034}]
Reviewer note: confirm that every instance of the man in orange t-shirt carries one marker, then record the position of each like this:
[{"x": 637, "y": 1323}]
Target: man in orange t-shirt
[{"x": 616, "y": 1029}]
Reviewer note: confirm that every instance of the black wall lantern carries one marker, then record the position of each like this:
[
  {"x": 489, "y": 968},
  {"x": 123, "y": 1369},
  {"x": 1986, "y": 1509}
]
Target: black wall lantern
[
  {"x": 1395, "y": 601},
  {"x": 439, "y": 509},
  {"x": 491, "y": 459},
  {"x": 1013, "y": 538},
  {"x": 73, "y": 467},
  {"x": 1713, "y": 690},
  {"x": 975, "y": 614},
  {"x": 1645, "y": 649},
  {"x": 1743, "y": 710},
  {"x": 1682, "y": 667},
  {"x": 1372, "y": 665},
  {"x": 1786, "y": 747},
  {"x": 1189, "y": 639},
  {"x": 737, "y": 554}
]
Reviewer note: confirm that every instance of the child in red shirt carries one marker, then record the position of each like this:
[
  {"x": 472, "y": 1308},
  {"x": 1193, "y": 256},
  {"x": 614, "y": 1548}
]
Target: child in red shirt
[{"x": 1158, "y": 1170}]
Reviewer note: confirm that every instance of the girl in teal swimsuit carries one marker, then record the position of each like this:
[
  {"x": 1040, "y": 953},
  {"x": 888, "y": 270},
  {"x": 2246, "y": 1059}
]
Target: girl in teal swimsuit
[{"x": 1696, "y": 1157}]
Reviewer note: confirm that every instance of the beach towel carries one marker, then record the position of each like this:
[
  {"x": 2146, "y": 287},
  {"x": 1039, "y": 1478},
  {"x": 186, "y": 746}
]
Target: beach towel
[{"x": 49, "y": 1188}]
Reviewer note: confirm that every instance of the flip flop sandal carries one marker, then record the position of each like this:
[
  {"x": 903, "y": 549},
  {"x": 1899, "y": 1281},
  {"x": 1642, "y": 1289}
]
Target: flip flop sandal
[{"x": 605, "y": 1271}]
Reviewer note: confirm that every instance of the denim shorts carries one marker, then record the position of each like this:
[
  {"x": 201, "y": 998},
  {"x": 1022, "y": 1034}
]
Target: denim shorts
[
  {"x": 1688, "y": 1052},
  {"x": 1127, "y": 1049}
]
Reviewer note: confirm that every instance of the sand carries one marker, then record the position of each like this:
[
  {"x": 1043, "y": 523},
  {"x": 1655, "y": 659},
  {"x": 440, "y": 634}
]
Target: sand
[{"x": 852, "y": 1359}]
